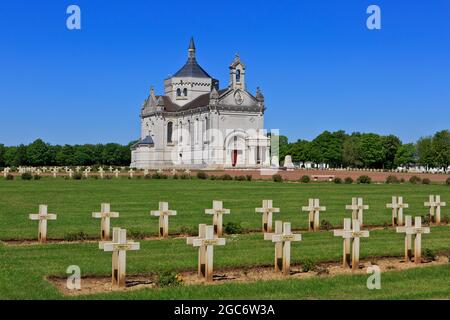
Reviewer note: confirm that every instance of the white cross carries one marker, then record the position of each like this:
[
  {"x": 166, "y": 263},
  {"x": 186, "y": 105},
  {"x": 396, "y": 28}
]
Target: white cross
[
  {"x": 209, "y": 242},
  {"x": 201, "y": 271},
  {"x": 6, "y": 171},
  {"x": 408, "y": 237},
  {"x": 119, "y": 247},
  {"x": 116, "y": 173},
  {"x": 105, "y": 214},
  {"x": 42, "y": 216},
  {"x": 435, "y": 205},
  {"x": 131, "y": 172},
  {"x": 86, "y": 173},
  {"x": 110, "y": 169},
  {"x": 54, "y": 172},
  {"x": 187, "y": 171},
  {"x": 417, "y": 230},
  {"x": 355, "y": 234},
  {"x": 346, "y": 256},
  {"x": 174, "y": 172},
  {"x": 267, "y": 211},
  {"x": 314, "y": 209},
  {"x": 217, "y": 211},
  {"x": 282, "y": 239},
  {"x": 357, "y": 208},
  {"x": 145, "y": 172},
  {"x": 397, "y": 206},
  {"x": 163, "y": 213},
  {"x": 101, "y": 172},
  {"x": 77, "y": 169}
]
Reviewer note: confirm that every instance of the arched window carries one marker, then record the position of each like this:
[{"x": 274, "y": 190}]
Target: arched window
[
  {"x": 178, "y": 92},
  {"x": 169, "y": 132},
  {"x": 185, "y": 92},
  {"x": 238, "y": 75}
]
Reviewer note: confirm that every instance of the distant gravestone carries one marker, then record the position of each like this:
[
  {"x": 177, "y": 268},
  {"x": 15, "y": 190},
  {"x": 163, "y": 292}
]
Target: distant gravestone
[
  {"x": 314, "y": 209},
  {"x": 130, "y": 172},
  {"x": 116, "y": 173},
  {"x": 288, "y": 163},
  {"x": 42, "y": 217},
  {"x": 105, "y": 214},
  {"x": 217, "y": 211},
  {"x": 267, "y": 211},
  {"x": 119, "y": 247},
  {"x": 54, "y": 172},
  {"x": 435, "y": 205},
  {"x": 6, "y": 171},
  {"x": 283, "y": 240},
  {"x": 101, "y": 172},
  {"x": 275, "y": 162},
  {"x": 397, "y": 207},
  {"x": 163, "y": 213}
]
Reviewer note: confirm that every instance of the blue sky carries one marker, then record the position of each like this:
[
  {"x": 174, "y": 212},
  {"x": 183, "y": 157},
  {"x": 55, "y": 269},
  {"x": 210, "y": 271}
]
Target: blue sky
[{"x": 318, "y": 65}]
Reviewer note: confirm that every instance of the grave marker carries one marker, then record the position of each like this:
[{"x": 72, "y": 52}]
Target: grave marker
[
  {"x": 267, "y": 211},
  {"x": 201, "y": 269},
  {"x": 101, "y": 172},
  {"x": 116, "y": 173},
  {"x": 209, "y": 242},
  {"x": 408, "y": 237},
  {"x": 119, "y": 247},
  {"x": 163, "y": 213},
  {"x": 42, "y": 216},
  {"x": 105, "y": 214},
  {"x": 346, "y": 261},
  {"x": 354, "y": 235},
  {"x": 435, "y": 205},
  {"x": 314, "y": 209},
  {"x": 357, "y": 208},
  {"x": 217, "y": 211},
  {"x": 397, "y": 206},
  {"x": 417, "y": 230}
]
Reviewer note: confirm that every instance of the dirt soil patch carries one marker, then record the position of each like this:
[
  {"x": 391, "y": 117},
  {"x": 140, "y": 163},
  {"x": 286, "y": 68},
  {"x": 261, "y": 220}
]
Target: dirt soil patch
[{"x": 98, "y": 284}]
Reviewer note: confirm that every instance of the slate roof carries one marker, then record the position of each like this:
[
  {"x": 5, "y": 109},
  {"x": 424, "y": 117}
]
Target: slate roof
[
  {"x": 192, "y": 69},
  {"x": 146, "y": 141}
]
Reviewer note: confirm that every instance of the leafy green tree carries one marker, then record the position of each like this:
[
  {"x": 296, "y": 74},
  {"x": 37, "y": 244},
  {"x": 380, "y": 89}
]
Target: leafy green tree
[
  {"x": 39, "y": 153},
  {"x": 351, "y": 156},
  {"x": 300, "y": 151},
  {"x": 2, "y": 155},
  {"x": 406, "y": 155},
  {"x": 425, "y": 151},
  {"x": 371, "y": 150},
  {"x": 327, "y": 148},
  {"x": 391, "y": 144},
  {"x": 441, "y": 149}
]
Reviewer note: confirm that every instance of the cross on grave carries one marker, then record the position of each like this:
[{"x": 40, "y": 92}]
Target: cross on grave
[
  {"x": 6, "y": 171},
  {"x": 282, "y": 239},
  {"x": 163, "y": 213},
  {"x": 145, "y": 172},
  {"x": 188, "y": 172},
  {"x": 357, "y": 208},
  {"x": 217, "y": 211},
  {"x": 131, "y": 172},
  {"x": 417, "y": 230},
  {"x": 54, "y": 172},
  {"x": 42, "y": 216},
  {"x": 397, "y": 206},
  {"x": 119, "y": 247},
  {"x": 101, "y": 172},
  {"x": 86, "y": 173},
  {"x": 353, "y": 235},
  {"x": 105, "y": 214},
  {"x": 70, "y": 173},
  {"x": 173, "y": 172},
  {"x": 314, "y": 209},
  {"x": 207, "y": 244},
  {"x": 77, "y": 169},
  {"x": 408, "y": 237},
  {"x": 267, "y": 211},
  {"x": 435, "y": 205},
  {"x": 201, "y": 250},
  {"x": 116, "y": 173},
  {"x": 110, "y": 169},
  {"x": 346, "y": 260}
]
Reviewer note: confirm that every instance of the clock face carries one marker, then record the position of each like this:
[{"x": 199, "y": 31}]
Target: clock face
[{"x": 238, "y": 97}]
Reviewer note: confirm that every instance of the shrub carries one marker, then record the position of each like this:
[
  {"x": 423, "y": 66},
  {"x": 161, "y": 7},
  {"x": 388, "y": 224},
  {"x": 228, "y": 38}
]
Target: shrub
[
  {"x": 249, "y": 178},
  {"x": 77, "y": 176},
  {"x": 337, "y": 180},
  {"x": 202, "y": 175},
  {"x": 147, "y": 176},
  {"x": 326, "y": 225},
  {"x": 185, "y": 176},
  {"x": 402, "y": 180},
  {"x": 175, "y": 176},
  {"x": 240, "y": 178},
  {"x": 426, "y": 181},
  {"x": 426, "y": 219},
  {"x": 364, "y": 179},
  {"x": 308, "y": 264},
  {"x": 157, "y": 175},
  {"x": 75, "y": 236},
  {"x": 169, "y": 279},
  {"x": 213, "y": 177},
  {"x": 447, "y": 182},
  {"x": 37, "y": 177},
  {"x": 392, "y": 179},
  {"x": 277, "y": 178},
  {"x": 233, "y": 228},
  {"x": 226, "y": 177},
  {"x": 9, "y": 176},
  {"x": 305, "y": 179},
  {"x": 415, "y": 180},
  {"x": 348, "y": 180},
  {"x": 428, "y": 255},
  {"x": 26, "y": 176}
]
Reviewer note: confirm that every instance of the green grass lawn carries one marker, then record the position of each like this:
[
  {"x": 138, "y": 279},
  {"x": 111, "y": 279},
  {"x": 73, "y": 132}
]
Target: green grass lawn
[{"x": 23, "y": 268}]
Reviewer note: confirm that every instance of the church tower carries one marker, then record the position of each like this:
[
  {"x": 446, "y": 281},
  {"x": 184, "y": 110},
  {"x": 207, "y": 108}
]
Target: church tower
[{"x": 237, "y": 74}]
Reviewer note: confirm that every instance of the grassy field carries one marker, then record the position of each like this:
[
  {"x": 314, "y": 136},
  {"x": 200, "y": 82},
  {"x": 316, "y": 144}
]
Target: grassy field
[{"x": 23, "y": 268}]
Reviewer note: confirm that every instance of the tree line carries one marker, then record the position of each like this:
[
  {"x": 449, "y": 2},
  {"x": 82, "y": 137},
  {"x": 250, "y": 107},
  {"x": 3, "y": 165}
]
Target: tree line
[
  {"x": 39, "y": 153},
  {"x": 369, "y": 150}
]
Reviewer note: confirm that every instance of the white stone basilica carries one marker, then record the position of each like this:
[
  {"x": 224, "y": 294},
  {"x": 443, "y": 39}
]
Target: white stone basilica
[{"x": 197, "y": 125}]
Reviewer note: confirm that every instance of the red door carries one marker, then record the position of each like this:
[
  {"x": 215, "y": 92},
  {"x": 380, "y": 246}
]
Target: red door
[{"x": 234, "y": 158}]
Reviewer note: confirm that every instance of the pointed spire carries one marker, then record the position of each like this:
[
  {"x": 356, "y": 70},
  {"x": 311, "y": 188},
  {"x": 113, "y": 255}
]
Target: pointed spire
[
  {"x": 259, "y": 95},
  {"x": 191, "y": 50},
  {"x": 152, "y": 92}
]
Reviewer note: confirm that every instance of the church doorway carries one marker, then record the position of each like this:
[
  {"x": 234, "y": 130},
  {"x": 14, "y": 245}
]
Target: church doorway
[{"x": 234, "y": 155}]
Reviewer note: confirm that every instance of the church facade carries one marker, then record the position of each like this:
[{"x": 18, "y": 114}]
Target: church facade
[{"x": 195, "y": 124}]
